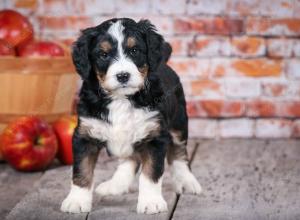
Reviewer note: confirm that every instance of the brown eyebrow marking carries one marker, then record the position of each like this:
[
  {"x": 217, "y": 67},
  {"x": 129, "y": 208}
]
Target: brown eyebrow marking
[
  {"x": 105, "y": 46},
  {"x": 131, "y": 42}
]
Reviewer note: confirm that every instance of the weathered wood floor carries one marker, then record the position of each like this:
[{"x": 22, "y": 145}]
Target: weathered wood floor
[{"x": 241, "y": 179}]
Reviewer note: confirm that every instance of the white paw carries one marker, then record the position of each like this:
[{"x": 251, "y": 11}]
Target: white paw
[
  {"x": 152, "y": 205},
  {"x": 76, "y": 205},
  {"x": 79, "y": 200},
  {"x": 189, "y": 184},
  {"x": 111, "y": 187}
]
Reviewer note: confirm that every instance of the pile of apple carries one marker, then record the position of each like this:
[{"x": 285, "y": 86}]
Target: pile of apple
[
  {"x": 17, "y": 38},
  {"x": 31, "y": 144}
]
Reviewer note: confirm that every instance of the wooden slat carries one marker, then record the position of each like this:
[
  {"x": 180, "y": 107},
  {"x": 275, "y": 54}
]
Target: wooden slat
[
  {"x": 14, "y": 185},
  {"x": 245, "y": 179},
  {"x": 35, "y": 94},
  {"x": 36, "y": 65},
  {"x": 44, "y": 202}
]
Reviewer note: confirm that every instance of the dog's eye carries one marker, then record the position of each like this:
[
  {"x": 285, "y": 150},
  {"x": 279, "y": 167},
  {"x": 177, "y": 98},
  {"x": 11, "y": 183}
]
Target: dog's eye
[
  {"x": 133, "y": 51},
  {"x": 103, "y": 55}
]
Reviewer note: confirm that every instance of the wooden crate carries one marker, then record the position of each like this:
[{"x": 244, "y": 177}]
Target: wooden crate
[{"x": 36, "y": 86}]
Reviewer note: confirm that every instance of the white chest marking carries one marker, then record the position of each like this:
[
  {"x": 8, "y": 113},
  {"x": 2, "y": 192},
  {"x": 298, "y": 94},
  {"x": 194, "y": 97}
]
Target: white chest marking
[{"x": 127, "y": 126}]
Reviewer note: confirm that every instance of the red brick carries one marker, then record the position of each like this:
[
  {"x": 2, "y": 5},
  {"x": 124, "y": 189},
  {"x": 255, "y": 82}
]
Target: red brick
[
  {"x": 289, "y": 109},
  {"x": 274, "y": 27},
  {"x": 258, "y": 67},
  {"x": 216, "y": 25},
  {"x": 28, "y": 4},
  {"x": 64, "y": 23},
  {"x": 180, "y": 44},
  {"x": 206, "y": 88},
  {"x": 273, "y": 128},
  {"x": 183, "y": 66},
  {"x": 192, "y": 109},
  {"x": 205, "y": 46},
  {"x": 191, "y": 67},
  {"x": 220, "y": 67},
  {"x": 274, "y": 89},
  {"x": 261, "y": 108},
  {"x": 221, "y": 108},
  {"x": 236, "y": 128},
  {"x": 248, "y": 46}
]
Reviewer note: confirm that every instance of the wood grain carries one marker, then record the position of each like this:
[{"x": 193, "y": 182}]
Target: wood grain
[{"x": 30, "y": 86}]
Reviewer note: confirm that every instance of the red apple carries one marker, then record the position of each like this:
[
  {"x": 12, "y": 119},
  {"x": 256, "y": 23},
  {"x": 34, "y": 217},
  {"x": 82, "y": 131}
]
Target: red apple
[
  {"x": 15, "y": 28},
  {"x": 41, "y": 48},
  {"x": 64, "y": 129},
  {"x": 29, "y": 144},
  {"x": 1, "y": 156},
  {"x": 6, "y": 49}
]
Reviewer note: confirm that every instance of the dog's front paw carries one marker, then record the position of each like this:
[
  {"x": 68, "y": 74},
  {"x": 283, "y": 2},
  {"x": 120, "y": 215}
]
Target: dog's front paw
[
  {"x": 188, "y": 185},
  {"x": 152, "y": 205},
  {"x": 112, "y": 187},
  {"x": 77, "y": 205},
  {"x": 79, "y": 200}
]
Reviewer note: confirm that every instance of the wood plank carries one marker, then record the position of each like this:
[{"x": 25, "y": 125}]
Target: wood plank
[
  {"x": 44, "y": 202},
  {"x": 14, "y": 185},
  {"x": 245, "y": 179}
]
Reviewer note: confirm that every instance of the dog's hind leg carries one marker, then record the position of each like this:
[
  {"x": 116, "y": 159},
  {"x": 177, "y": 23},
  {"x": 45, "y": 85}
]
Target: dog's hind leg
[{"x": 183, "y": 179}]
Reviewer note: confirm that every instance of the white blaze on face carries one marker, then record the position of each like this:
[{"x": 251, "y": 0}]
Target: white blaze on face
[{"x": 121, "y": 64}]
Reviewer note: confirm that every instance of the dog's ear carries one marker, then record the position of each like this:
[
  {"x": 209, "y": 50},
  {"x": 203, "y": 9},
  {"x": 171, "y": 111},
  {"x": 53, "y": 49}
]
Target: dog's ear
[
  {"x": 154, "y": 43},
  {"x": 80, "y": 54}
]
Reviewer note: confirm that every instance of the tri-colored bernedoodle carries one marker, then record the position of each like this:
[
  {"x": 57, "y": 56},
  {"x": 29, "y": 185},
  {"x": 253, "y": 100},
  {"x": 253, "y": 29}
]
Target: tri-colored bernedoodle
[{"x": 132, "y": 104}]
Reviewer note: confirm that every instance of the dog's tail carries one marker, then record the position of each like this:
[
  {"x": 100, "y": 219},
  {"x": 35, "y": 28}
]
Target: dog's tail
[{"x": 167, "y": 50}]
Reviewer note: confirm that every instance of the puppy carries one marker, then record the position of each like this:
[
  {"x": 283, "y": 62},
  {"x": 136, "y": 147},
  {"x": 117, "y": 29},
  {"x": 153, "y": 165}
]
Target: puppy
[{"x": 131, "y": 103}]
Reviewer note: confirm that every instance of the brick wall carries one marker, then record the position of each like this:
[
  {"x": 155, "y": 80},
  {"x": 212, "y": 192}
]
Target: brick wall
[{"x": 238, "y": 59}]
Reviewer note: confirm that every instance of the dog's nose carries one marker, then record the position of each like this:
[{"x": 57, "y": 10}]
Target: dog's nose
[{"x": 123, "y": 77}]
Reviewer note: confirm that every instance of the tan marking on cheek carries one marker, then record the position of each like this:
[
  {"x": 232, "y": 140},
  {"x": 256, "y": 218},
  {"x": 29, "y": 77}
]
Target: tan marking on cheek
[
  {"x": 105, "y": 46},
  {"x": 144, "y": 70},
  {"x": 131, "y": 42},
  {"x": 101, "y": 76}
]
